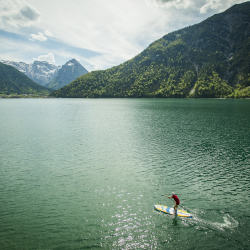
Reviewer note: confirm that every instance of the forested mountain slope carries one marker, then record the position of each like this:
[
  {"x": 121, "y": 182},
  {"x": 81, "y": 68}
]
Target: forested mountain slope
[
  {"x": 209, "y": 59},
  {"x": 40, "y": 72},
  {"x": 12, "y": 81}
]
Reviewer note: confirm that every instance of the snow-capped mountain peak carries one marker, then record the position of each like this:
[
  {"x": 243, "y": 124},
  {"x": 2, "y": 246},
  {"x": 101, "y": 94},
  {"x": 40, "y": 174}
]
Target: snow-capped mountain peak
[
  {"x": 41, "y": 72},
  {"x": 45, "y": 73}
]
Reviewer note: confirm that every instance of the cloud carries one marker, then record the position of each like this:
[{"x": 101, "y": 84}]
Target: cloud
[
  {"x": 16, "y": 13},
  {"x": 117, "y": 30},
  {"x": 179, "y": 4},
  {"x": 40, "y": 37},
  {"x": 101, "y": 34},
  {"x": 28, "y": 14},
  {"x": 48, "y": 33},
  {"x": 49, "y": 58},
  {"x": 219, "y": 5},
  {"x": 202, "y": 5},
  {"x": 211, "y": 4},
  {"x": 17, "y": 48}
]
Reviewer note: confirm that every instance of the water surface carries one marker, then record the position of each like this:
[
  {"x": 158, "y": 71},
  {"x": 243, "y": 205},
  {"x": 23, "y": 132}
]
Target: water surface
[{"x": 86, "y": 173}]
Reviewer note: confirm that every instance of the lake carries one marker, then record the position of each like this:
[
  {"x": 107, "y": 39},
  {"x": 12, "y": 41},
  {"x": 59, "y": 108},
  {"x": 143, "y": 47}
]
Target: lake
[{"x": 86, "y": 173}]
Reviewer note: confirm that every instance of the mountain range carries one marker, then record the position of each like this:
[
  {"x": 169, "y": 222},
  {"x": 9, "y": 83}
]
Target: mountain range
[
  {"x": 12, "y": 81},
  {"x": 66, "y": 74},
  {"x": 209, "y": 59},
  {"x": 50, "y": 75},
  {"x": 40, "y": 72}
]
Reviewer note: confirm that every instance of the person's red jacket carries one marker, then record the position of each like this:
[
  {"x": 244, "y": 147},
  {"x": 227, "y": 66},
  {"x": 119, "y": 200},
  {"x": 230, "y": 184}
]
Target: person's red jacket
[{"x": 176, "y": 199}]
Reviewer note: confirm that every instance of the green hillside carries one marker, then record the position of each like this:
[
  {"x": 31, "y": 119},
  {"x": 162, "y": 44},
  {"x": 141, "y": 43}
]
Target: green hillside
[
  {"x": 209, "y": 59},
  {"x": 12, "y": 81}
]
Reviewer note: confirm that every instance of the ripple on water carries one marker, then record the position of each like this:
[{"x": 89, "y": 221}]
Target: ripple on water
[{"x": 86, "y": 173}]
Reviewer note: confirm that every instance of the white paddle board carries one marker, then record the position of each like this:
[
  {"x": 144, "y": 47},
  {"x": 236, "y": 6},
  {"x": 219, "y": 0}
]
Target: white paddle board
[{"x": 170, "y": 210}]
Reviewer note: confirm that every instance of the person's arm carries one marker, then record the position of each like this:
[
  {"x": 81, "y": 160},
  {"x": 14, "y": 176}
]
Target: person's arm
[{"x": 168, "y": 196}]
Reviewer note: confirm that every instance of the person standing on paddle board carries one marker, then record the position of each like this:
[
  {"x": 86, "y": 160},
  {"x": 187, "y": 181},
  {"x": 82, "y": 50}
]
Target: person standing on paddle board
[{"x": 177, "y": 201}]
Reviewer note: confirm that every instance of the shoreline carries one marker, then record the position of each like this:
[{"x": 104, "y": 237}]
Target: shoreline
[
  {"x": 26, "y": 96},
  {"x": 35, "y": 96}
]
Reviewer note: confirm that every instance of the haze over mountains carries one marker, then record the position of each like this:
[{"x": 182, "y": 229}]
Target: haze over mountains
[
  {"x": 209, "y": 59},
  {"x": 50, "y": 75}
]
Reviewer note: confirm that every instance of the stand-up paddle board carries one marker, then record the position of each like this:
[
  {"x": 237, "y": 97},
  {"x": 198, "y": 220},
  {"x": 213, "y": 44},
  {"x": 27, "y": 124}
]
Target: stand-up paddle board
[{"x": 170, "y": 210}]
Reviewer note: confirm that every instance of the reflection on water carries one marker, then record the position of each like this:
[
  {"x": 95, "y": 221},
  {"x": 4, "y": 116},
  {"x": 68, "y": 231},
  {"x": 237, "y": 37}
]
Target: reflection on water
[{"x": 79, "y": 173}]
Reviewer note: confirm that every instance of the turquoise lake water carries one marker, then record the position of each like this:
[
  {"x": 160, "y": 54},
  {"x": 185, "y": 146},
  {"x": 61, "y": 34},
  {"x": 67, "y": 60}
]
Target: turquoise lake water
[{"x": 86, "y": 173}]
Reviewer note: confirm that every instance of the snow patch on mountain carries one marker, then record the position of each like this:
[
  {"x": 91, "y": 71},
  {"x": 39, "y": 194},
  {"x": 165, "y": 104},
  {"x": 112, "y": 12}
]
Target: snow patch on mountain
[
  {"x": 68, "y": 73},
  {"x": 49, "y": 75},
  {"x": 41, "y": 72}
]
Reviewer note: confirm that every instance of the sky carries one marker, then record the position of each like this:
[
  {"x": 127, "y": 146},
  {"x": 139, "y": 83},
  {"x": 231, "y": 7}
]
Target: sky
[{"x": 100, "y": 34}]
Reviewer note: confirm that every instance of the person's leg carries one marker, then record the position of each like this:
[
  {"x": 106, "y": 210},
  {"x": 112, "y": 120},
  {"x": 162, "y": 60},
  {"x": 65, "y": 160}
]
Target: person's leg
[{"x": 175, "y": 208}]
